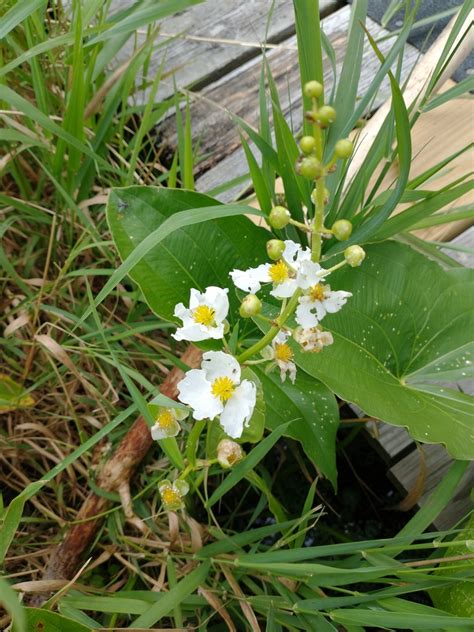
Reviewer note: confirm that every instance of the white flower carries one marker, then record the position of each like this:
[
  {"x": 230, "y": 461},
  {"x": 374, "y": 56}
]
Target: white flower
[
  {"x": 313, "y": 339},
  {"x": 282, "y": 354},
  {"x": 215, "y": 389},
  {"x": 284, "y": 274},
  {"x": 317, "y": 302},
  {"x": 167, "y": 423},
  {"x": 205, "y": 316}
]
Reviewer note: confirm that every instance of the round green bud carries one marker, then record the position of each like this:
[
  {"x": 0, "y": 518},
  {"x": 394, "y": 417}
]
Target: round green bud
[
  {"x": 354, "y": 255},
  {"x": 310, "y": 168},
  {"x": 307, "y": 144},
  {"x": 275, "y": 249},
  {"x": 226, "y": 326},
  {"x": 342, "y": 229},
  {"x": 279, "y": 217},
  {"x": 343, "y": 148},
  {"x": 313, "y": 89},
  {"x": 326, "y": 115},
  {"x": 314, "y": 195},
  {"x": 250, "y": 306}
]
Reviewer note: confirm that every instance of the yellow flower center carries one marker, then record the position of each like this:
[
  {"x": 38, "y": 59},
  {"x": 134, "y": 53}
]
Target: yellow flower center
[
  {"x": 170, "y": 497},
  {"x": 283, "y": 352},
  {"x": 165, "y": 420},
  {"x": 223, "y": 387},
  {"x": 316, "y": 293},
  {"x": 279, "y": 272},
  {"x": 204, "y": 315}
]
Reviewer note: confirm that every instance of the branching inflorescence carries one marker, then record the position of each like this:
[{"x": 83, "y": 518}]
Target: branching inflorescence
[{"x": 299, "y": 283}]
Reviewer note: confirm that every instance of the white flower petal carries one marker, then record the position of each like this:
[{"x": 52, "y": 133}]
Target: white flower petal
[
  {"x": 287, "y": 367},
  {"x": 239, "y": 409},
  {"x": 180, "y": 311},
  {"x": 290, "y": 252},
  {"x": 285, "y": 289},
  {"x": 196, "y": 332},
  {"x": 216, "y": 297},
  {"x": 309, "y": 273},
  {"x": 305, "y": 316},
  {"x": 158, "y": 433},
  {"x": 335, "y": 301},
  {"x": 195, "y": 297},
  {"x": 303, "y": 255},
  {"x": 250, "y": 280},
  {"x": 219, "y": 364},
  {"x": 195, "y": 391}
]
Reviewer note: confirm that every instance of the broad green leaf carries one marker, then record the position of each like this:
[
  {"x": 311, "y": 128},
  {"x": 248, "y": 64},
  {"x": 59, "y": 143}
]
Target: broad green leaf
[
  {"x": 47, "y": 621},
  {"x": 191, "y": 255},
  {"x": 404, "y": 333},
  {"x": 13, "y": 395},
  {"x": 316, "y": 415}
]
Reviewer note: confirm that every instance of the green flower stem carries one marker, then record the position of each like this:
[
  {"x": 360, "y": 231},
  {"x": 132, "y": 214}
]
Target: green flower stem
[
  {"x": 300, "y": 225},
  {"x": 273, "y": 331},
  {"x": 318, "y": 224},
  {"x": 337, "y": 266},
  {"x": 192, "y": 443}
]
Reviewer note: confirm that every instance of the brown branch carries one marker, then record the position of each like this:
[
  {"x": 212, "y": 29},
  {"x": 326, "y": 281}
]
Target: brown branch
[{"x": 118, "y": 470}]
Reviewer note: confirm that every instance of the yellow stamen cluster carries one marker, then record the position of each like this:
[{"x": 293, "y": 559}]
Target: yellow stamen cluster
[
  {"x": 279, "y": 272},
  {"x": 165, "y": 419},
  {"x": 223, "y": 388},
  {"x": 283, "y": 352},
  {"x": 170, "y": 497},
  {"x": 316, "y": 293},
  {"x": 204, "y": 315}
]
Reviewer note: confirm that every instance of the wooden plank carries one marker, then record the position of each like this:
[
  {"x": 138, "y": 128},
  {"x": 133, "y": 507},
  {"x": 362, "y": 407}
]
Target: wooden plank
[
  {"x": 391, "y": 442},
  {"x": 238, "y": 93},
  {"x": 438, "y": 462},
  {"x": 213, "y": 37},
  {"x": 466, "y": 240}
]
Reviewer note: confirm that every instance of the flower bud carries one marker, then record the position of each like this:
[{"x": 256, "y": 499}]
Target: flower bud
[
  {"x": 307, "y": 144},
  {"x": 228, "y": 453},
  {"x": 313, "y": 89},
  {"x": 275, "y": 249},
  {"x": 310, "y": 168},
  {"x": 354, "y": 255},
  {"x": 343, "y": 148},
  {"x": 326, "y": 115},
  {"x": 279, "y": 217},
  {"x": 342, "y": 229},
  {"x": 250, "y": 306}
]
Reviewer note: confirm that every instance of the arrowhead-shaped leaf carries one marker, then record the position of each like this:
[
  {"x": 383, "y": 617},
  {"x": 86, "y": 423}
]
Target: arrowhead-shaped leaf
[
  {"x": 406, "y": 332},
  {"x": 193, "y": 257}
]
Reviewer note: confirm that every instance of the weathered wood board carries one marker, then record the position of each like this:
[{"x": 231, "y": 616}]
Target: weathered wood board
[
  {"x": 238, "y": 93},
  {"x": 211, "y": 38},
  {"x": 437, "y": 464}
]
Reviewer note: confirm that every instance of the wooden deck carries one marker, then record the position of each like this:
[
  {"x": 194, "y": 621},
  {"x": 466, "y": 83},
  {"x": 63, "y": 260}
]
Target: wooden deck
[{"x": 216, "y": 56}]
